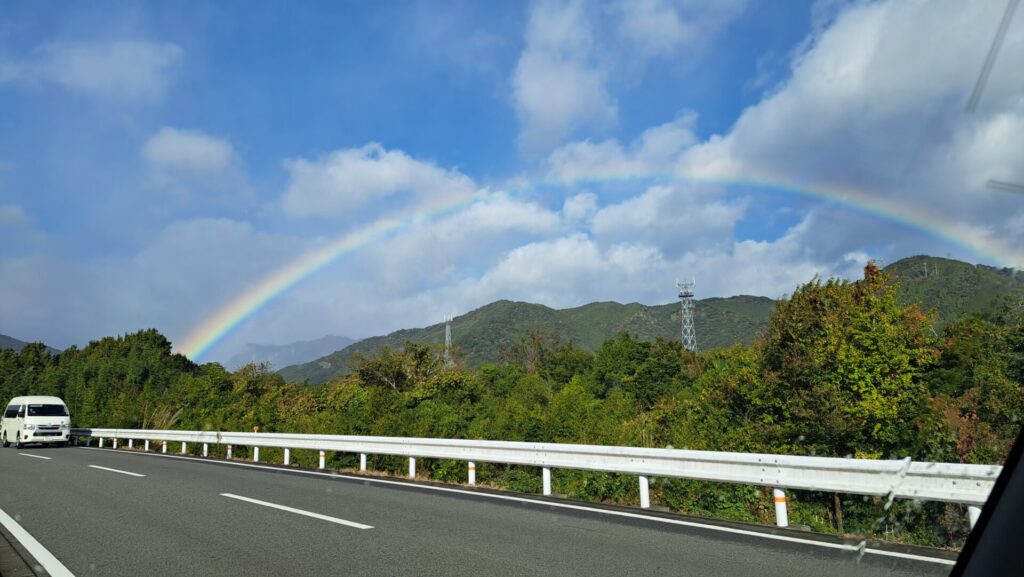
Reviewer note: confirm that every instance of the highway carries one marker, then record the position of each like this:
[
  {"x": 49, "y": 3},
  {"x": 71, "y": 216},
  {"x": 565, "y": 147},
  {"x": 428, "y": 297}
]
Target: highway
[{"x": 115, "y": 512}]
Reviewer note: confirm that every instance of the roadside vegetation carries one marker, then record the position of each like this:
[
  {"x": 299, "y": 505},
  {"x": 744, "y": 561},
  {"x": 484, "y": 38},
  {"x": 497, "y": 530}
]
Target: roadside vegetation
[{"x": 843, "y": 369}]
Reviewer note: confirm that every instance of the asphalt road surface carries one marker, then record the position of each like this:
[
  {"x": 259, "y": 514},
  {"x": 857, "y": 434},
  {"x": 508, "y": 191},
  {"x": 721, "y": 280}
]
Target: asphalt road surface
[{"x": 115, "y": 512}]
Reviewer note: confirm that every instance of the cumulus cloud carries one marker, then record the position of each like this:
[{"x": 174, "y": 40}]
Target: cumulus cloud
[
  {"x": 345, "y": 180},
  {"x": 662, "y": 27},
  {"x": 573, "y": 49},
  {"x": 580, "y": 207},
  {"x": 876, "y": 103},
  {"x": 657, "y": 149},
  {"x": 675, "y": 218},
  {"x": 558, "y": 86},
  {"x": 120, "y": 70}
]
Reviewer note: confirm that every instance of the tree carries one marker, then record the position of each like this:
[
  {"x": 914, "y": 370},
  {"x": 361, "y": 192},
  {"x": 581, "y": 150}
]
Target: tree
[{"x": 844, "y": 366}]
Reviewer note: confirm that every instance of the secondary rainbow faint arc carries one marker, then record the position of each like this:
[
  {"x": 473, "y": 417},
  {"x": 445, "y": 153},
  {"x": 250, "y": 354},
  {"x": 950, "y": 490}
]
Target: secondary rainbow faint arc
[{"x": 210, "y": 332}]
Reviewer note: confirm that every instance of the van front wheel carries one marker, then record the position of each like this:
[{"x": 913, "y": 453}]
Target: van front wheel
[
  {"x": 5, "y": 443},
  {"x": 17, "y": 441}
]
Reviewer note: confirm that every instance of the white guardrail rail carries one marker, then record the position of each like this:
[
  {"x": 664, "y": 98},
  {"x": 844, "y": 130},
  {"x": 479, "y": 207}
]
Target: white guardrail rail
[{"x": 902, "y": 479}]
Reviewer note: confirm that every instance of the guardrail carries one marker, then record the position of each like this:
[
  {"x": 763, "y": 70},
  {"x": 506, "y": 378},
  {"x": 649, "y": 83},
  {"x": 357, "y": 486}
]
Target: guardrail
[{"x": 902, "y": 479}]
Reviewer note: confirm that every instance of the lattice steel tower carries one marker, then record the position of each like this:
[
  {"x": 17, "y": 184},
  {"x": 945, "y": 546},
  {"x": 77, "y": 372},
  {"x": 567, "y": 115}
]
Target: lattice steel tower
[
  {"x": 686, "y": 313},
  {"x": 448, "y": 341}
]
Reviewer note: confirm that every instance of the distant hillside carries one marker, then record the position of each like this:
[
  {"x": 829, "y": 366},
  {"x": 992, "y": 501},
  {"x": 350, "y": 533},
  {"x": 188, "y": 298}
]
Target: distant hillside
[
  {"x": 290, "y": 354},
  {"x": 482, "y": 334},
  {"x": 7, "y": 342},
  {"x": 952, "y": 287},
  {"x": 948, "y": 286}
]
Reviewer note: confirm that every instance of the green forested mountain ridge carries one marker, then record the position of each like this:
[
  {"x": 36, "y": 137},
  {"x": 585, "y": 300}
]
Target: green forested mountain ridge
[
  {"x": 949, "y": 287},
  {"x": 16, "y": 345},
  {"x": 481, "y": 336}
]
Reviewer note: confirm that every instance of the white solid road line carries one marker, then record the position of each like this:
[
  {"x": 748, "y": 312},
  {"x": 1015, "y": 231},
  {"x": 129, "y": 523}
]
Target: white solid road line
[
  {"x": 771, "y": 536},
  {"x": 298, "y": 511},
  {"x": 36, "y": 456},
  {"x": 44, "y": 557},
  {"x": 117, "y": 471}
]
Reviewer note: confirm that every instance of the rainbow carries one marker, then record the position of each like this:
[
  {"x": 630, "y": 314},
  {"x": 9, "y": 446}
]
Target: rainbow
[{"x": 208, "y": 334}]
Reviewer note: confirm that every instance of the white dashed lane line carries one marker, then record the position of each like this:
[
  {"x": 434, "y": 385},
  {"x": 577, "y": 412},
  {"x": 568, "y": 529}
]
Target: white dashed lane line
[
  {"x": 298, "y": 511},
  {"x": 117, "y": 471},
  {"x": 36, "y": 456}
]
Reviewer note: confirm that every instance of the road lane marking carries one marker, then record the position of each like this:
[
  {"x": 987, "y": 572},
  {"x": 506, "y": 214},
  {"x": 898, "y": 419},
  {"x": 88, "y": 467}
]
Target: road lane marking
[
  {"x": 298, "y": 511},
  {"x": 693, "y": 524},
  {"x": 36, "y": 456},
  {"x": 117, "y": 471},
  {"x": 42, "y": 556}
]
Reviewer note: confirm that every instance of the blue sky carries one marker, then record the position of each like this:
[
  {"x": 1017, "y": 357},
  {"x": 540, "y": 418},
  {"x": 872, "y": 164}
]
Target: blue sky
[{"x": 157, "y": 159}]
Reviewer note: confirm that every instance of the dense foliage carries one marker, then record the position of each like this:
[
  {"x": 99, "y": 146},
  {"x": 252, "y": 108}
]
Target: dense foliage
[{"x": 842, "y": 369}]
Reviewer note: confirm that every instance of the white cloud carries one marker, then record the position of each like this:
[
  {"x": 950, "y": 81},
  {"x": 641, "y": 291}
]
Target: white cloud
[
  {"x": 573, "y": 50},
  {"x": 580, "y": 207},
  {"x": 346, "y": 180},
  {"x": 657, "y": 149},
  {"x": 197, "y": 169},
  {"x": 675, "y": 218},
  {"x": 189, "y": 153},
  {"x": 558, "y": 87},
  {"x": 121, "y": 70},
  {"x": 876, "y": 104},
  {"x": 662, "y": 27}
]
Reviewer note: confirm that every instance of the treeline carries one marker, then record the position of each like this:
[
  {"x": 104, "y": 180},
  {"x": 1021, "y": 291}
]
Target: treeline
[{"x": 843, "y": 370}]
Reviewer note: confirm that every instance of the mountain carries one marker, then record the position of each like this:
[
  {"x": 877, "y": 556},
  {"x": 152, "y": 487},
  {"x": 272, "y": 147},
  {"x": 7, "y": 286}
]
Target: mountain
[
  {"x": 949, "y": 287},
  {"x": 482, "y": 334},
  {"x": 290, "y": 354},
  {"x": 7, "y": 342},
  {"x": 952, "y": 287}
]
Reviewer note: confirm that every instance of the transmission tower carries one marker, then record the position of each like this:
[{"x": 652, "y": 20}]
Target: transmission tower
[
  {"x": 686, "y": 313},
  {"x": 448, "y": 341}
]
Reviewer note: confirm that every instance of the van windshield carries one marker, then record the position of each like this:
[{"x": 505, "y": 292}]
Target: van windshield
[{"x": 47, "y": 411}]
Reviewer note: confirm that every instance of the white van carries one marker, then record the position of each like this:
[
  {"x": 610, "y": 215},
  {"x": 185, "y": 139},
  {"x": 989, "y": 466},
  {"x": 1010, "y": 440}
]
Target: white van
[{"x": 35, "y": 420}]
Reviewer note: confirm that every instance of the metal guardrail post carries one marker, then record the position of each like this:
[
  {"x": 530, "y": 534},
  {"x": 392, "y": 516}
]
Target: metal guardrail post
[
  {"x": 163, "y": 449},
  {"x": 129, "y": 443},
  {"x": 287, "y": 456},
  {"x": 972, "y": 514},
  {"x": 206, "y": 449},
  {"x": 183, "y": 448},
  {"x": 101, "y": 442},
  {"x": 255, "y": 454},
  {"x": 229, "y": 451},
  {"x": 546, "y": 474},
  {"x": 115, "y": 442},
  {"x": 781, "y": 513},
  {"x": 145, "y": 445},
  {"x": 362, "y": 461},
  {"x": 412, "y": 467},
  {"x": 323, "y": 456},
  {"x": 472, "y": 473},
  {"x": 645, "y": 493}
]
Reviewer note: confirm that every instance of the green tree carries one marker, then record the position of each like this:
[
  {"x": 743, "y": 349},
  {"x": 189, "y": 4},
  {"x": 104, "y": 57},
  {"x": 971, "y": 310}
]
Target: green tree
[{"x": 844, "y": 366}]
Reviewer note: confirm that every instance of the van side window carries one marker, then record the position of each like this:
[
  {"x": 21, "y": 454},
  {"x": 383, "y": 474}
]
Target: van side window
[{"x": 12, "y": 412}]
